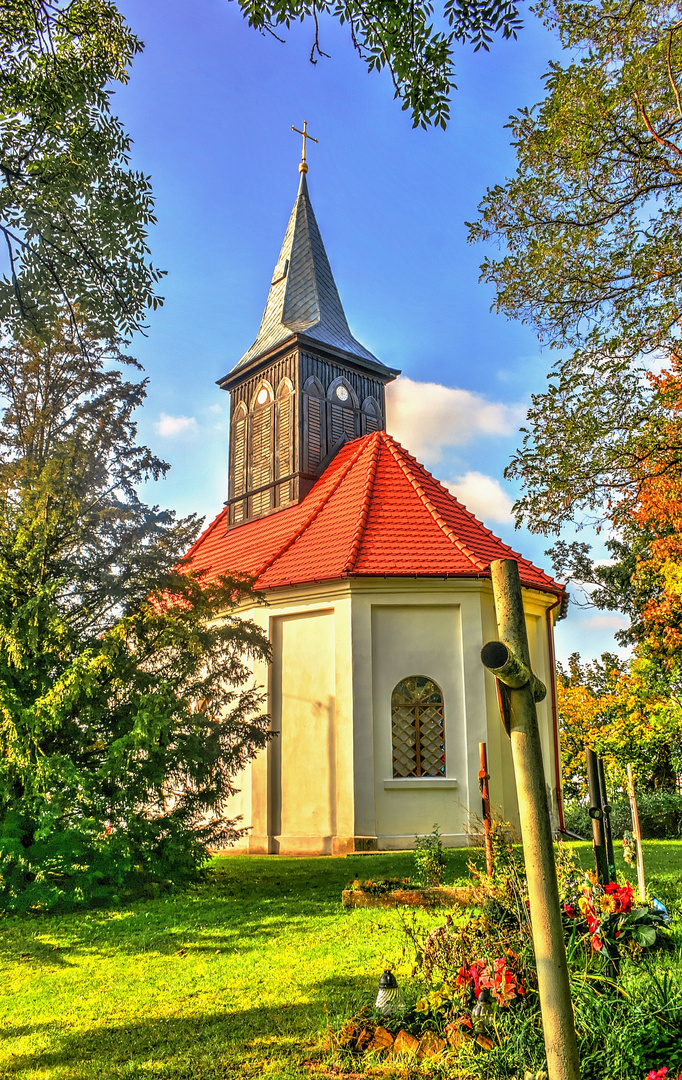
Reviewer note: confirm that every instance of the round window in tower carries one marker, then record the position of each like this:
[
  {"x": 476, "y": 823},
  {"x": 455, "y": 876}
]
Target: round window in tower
[
  {"x": 342, "y": 393},
  {"x": 262, "y": 395}
]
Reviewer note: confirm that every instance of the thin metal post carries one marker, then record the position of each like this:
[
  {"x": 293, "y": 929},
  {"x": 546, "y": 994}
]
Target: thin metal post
[
  {"x": 483, "y": 778},
  {"x": 606, "y": 811},
  {"x": 598, "y": 840},
  {"x": 536, "y": 832}
]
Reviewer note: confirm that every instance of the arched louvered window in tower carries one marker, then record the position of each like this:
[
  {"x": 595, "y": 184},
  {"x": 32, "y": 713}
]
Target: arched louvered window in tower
[
  {"x": 371, "y": 415},
  {"x": 344, "y": 404},
  {"x": 284, "y": 440},
  {"x": 314, "y": 440},
  {"x": 238, "y": 469},
  {"x": 418, "y": 727},
  {"x": 261, "y": 451}
]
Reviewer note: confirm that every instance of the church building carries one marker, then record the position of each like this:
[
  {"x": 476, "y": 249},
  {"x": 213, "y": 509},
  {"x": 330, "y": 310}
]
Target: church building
[{"x": 378, "y": 593}]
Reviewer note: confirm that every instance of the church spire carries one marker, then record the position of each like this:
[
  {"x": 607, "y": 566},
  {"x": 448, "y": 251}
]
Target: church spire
[
  {"x": 306, "y": 386},
  {"x": 303, "y": 297}
]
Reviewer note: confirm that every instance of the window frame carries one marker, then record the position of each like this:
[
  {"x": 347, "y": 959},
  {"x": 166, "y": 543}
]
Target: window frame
[{"x": 417, "y": 709}]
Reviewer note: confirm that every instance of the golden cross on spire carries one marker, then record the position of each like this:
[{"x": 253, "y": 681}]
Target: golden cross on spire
[{"x": 303, "y": 167}]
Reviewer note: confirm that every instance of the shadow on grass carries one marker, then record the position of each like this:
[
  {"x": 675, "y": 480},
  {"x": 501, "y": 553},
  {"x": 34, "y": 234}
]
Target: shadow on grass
[
  {"x": 216, "y": 1044},
  {"x": 232, "y": 912}
]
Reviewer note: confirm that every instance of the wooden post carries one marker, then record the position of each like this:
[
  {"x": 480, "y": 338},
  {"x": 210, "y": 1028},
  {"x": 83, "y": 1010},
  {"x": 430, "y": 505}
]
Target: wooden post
[
  {"x": 509, "y": 660},
  {"x": 598, "y": 842},
  {"x": 638, "y": 836},
  {"x": 606, "y": 811},
  {"x": 483, "y": 778}
]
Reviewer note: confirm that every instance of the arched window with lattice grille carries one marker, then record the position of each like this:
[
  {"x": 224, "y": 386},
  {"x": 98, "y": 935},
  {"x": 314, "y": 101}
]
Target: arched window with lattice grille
[{"x": 418, "y": 727}]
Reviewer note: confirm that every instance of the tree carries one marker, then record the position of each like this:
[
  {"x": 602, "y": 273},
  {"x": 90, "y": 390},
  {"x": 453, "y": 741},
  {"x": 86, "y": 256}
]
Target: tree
[
  {"x": 73, "y": 215},
  {"x": 626, "y": 713},
  {"x": 127, "y": 704},
  {"x": 591, "y": 225},
  {"x": 399, "y": 36}
]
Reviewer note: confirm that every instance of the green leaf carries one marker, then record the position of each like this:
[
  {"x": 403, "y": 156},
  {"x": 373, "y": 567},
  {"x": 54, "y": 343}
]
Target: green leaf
[{"x": 644, "y": 935}]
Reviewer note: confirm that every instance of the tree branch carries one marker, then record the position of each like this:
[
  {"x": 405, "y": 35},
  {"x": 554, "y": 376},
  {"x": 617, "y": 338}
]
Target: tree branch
[{"x": 663, "y": 142}]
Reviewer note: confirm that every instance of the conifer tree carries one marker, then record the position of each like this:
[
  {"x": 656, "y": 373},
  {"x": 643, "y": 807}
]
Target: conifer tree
[{"x": 127, "y": 704}]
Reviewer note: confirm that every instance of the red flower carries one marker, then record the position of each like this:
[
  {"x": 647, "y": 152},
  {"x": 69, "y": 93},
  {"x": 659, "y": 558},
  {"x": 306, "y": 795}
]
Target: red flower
[
  {"x": 623, "y": 895},
  {"x": 592, "y": 922},
  {"x": 570, "y": 911},
  {"x": 470, "y": 975}
]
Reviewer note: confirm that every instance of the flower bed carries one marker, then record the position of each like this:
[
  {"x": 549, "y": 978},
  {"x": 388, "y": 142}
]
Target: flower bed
[{"x": 472, "y": 995}]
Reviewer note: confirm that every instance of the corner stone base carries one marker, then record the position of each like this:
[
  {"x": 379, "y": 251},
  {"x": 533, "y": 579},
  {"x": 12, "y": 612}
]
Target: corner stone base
[{"x": 306, "y": 845}]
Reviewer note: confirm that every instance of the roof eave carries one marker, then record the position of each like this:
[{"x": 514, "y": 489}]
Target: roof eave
[
  {"x": 386, "y": 374},
  {"x": 475, "y": 575}
]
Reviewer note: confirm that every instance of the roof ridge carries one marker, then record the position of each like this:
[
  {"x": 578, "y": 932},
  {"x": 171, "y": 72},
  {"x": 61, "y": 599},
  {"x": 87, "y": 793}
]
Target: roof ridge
[
  {"x": 484, "y": 528},
  {"x": 311, "y": 517},
  {"x": 364, "y": 510},
  {"x": 440, "y": 522},
  {"x": 204, "y": 533}
]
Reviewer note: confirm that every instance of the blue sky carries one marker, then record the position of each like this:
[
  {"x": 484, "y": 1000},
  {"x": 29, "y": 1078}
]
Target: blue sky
[{"x": 210, "y": 106}]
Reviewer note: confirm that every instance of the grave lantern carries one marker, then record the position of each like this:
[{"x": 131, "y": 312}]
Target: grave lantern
[
  {"x": 389, "y": 999},
  {"x": 482, "y": 1010}
]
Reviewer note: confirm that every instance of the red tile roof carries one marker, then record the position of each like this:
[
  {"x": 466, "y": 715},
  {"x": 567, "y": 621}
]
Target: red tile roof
[{"x": 374, "y": 512}]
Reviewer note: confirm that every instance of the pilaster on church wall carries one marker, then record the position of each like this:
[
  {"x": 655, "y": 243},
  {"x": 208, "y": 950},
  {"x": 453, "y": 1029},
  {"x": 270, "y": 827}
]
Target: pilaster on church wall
[
  {"x": 364, "y": 805},
  {"x": 500, "y": 765},
  {"x": 241, "y": 804},
  {"x": 536, "y": 606},
  {"x": 344, "y": 825}
]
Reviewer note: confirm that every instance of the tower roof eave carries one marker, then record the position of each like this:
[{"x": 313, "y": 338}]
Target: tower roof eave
[{"x": 375, "y": 367}]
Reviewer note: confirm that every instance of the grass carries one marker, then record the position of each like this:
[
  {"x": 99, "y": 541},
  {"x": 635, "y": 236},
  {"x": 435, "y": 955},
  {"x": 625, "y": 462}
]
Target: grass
[{"x": 238, "y": 977}]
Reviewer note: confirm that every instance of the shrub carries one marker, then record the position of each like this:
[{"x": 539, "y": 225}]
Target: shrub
[
  {"x": 660, "y": 816},
  {"x": 429, "y": 858}
]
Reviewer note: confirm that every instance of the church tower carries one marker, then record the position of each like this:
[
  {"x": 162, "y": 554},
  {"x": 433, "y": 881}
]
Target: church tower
[
  {"x": 305, "y": 387},
  {"x": 378, "y": 591}
]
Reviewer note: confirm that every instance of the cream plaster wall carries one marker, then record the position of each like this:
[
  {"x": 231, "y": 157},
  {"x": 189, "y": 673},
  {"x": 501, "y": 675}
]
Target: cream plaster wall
[
  {"x": 324, "y": 784},
  {"x": 301, "y": 785},
  {"x": 303, "y": 707},
  {"x": 418, "y": 639}
]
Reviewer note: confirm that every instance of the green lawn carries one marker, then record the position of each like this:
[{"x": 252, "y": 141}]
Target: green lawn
[{"x": 238, "y": 977}]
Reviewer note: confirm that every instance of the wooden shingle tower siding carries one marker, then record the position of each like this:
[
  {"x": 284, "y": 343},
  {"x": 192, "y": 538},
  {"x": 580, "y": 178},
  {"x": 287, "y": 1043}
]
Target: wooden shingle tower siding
[{"x": 304, "y": 388}]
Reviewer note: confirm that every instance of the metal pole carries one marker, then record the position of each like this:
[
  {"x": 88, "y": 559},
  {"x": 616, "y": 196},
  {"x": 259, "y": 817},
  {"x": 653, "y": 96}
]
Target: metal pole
[
  {"x": 638, "y": 836},
  {"x": 598, "y": 841},
  {"x": 606, "y": 811},
  {"x": 548, "y": 937},
  {"x": 483, "y": 778}
]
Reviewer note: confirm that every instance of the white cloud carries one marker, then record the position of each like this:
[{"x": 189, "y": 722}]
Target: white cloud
[
  {"x": 215, "y": 408},
  {"x": 613, "y": 621},
  {"x": 169, "y": 426},
  {"x": 483, "y": 496},
  {"x": 426, "y": 417}
]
